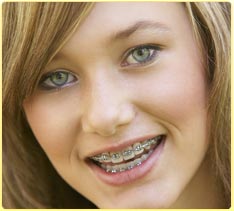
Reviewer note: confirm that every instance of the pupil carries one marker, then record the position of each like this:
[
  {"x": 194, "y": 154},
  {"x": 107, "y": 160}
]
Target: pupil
[
  {"x": 59, "y": 78},
  {"x": 141, "y": 54}
]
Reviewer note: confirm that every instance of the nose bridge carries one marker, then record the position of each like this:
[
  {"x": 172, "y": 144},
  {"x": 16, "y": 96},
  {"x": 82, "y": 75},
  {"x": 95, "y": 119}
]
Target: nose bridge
[
  {"x": 104, "y": 100},
  {"x": 106, "y": 106}
]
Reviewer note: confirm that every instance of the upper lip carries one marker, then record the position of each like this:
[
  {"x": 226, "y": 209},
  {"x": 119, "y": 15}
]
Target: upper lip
[{"x": 121, "y": 146}]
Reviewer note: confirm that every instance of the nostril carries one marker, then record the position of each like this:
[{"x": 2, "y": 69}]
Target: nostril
[
  {"x": 108, "y": 132},
  {"x": 101, "y": 128},
  {"x": 105, "y": 119}
]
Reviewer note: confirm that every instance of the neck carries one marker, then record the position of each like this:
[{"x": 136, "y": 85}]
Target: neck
[{"x": 203, "y": 191}]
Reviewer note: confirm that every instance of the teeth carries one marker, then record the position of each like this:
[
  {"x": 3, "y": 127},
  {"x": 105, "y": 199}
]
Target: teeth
[
  {"x": 126, "y": 166},
  {"x": 138, "y": 149},
  {"x": 128, "y": 153},
  {"x": 115, "y": 169},
  {"x": 130, "y": 165},
  {"x": 106, "y": 157},
  {"x": 146, "y": 144},
  {"x": 122, "y": 167},
  {"x": 107, "y": 168},
  {"x": 97, "y": 158},
  {"x": 153, "y": 141},
  {"x": 144, "y": 157},
  {"x": 116, "y": 157},
  {"x": 137, "y": 162}
]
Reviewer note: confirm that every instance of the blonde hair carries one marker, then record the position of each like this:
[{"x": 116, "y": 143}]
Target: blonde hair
[
  {"x": 212, "y": 22},
  {"x": 32, "y": 34}
]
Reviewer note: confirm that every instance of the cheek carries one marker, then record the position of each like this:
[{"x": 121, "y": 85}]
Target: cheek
[
  {"x": 52, "y": 122},
  {"x": 173, "y": 93}
]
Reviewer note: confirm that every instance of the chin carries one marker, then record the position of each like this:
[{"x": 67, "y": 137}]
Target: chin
[{"x": 141, "y": 199}]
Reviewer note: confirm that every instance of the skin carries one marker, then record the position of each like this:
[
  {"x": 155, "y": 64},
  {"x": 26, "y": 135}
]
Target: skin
[{"x": 113, "y": 102}]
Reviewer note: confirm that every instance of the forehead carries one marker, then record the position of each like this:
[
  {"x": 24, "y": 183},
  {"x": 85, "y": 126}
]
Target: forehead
[
  {"x": 108, "y": 19},
  {"x": 115, "y": 15},
  {"x": 128, "y": 11}
]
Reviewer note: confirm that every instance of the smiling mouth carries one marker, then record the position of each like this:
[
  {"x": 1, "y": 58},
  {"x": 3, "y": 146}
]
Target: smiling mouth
[{"x": 129, "y": 158}]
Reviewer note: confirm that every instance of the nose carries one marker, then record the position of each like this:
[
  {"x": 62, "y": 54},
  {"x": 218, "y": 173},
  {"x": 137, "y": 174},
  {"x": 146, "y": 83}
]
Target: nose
[{"x": 107, "y": 108}]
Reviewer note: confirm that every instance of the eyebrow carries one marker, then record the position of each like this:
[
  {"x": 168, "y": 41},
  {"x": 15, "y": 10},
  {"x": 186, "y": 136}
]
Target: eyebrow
[
  {"x": 140, "y": 25},
  {"x": 130, "y": 30}
]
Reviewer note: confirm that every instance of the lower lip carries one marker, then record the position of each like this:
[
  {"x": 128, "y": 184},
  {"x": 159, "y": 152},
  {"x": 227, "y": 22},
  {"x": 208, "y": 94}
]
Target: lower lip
[{"x": 129, "y": 176}]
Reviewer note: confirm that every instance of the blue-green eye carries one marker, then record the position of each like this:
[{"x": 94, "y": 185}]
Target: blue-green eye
[
  {"x": 141, "y": 55},
  {"x": 57, "y": 79}
]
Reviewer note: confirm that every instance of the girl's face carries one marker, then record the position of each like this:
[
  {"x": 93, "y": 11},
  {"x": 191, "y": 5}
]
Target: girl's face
[{"x": 129, "y": 91}]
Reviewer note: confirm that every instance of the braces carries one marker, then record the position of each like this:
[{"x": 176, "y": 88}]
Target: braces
[{"x": 128, "y": 153}]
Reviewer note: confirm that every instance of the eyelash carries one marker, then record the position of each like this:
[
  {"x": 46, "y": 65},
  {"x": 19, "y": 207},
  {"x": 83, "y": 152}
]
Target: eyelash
[
  {"x": 152, "y": 51},
  {"x": 47, "y": 83}
]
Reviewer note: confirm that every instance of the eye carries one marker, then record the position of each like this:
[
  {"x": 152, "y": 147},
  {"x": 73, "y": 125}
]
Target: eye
[
  {"x": 57, "y": 79},
  {"x": 141, "y": 55}
]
